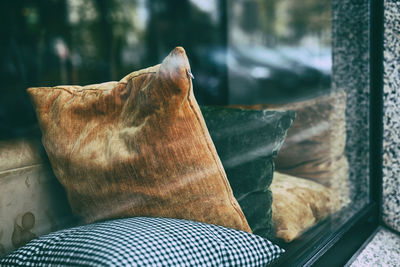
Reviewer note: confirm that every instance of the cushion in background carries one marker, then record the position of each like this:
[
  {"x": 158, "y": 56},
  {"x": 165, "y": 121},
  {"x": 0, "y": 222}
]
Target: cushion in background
[
  {"x": 145, "y": 241},
  {"x": 247, "y": 142},
  {"x": 315, "y": 144},
  {"x": 298, "y": 204},
  {"x": 137, "y": 147}
]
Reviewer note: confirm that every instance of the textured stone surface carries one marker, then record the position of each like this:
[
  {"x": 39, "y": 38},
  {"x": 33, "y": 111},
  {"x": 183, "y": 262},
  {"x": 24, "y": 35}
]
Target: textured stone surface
[
  {"x": 391, "y": 136},
  {"x": 350, "y": 53},
  {"x": 382, "y": 250}
]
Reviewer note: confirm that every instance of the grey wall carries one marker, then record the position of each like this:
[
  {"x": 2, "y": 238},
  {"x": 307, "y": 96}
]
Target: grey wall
[
  {"x": 350, "y": 51},
  {"x": 391, "y": 119}
]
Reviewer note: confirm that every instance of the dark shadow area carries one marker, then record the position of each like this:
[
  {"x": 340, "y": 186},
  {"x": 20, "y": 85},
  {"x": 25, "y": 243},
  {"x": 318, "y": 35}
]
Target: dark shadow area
[{"x": 47, "y": 43}]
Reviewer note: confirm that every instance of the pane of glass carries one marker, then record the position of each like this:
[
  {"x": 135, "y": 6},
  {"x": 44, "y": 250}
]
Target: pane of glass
[
  {"x": 280, "y": 58},
  {"x": 249, "y": 55},
  {"x": 280, "y": 50}
]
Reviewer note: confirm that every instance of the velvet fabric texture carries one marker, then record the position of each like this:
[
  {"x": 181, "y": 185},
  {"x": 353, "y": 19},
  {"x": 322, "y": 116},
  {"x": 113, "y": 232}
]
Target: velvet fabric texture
[
  {"x": 137, "y": 147},
  {"x": 298, "y": 204},
  {"x": 247, "y": 142}
]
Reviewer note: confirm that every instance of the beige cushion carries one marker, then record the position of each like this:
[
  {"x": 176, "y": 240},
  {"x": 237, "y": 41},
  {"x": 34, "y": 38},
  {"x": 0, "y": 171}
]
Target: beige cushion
[
  {"x": 297, "y": 205},
  {"x": 137, "y": 147}
]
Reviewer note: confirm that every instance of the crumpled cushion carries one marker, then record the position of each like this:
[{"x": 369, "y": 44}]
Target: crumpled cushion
[
  {"x": 247, "y": 141},
  {"x": 298, "y": 204},
  {"x": 137, "y": 147}
]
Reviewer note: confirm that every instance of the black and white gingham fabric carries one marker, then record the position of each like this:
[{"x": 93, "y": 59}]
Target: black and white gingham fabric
[{"x": 143, "y": 241}]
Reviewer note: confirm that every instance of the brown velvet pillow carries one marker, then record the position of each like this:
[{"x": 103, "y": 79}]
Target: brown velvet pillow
[
  {"x": 137, "y": 147},
  {"x": 297, "y": 205}
]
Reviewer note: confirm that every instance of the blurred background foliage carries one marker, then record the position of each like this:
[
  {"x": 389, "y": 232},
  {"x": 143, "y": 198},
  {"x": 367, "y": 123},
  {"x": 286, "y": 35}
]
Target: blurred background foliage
[{"x": 254, "y": 44}]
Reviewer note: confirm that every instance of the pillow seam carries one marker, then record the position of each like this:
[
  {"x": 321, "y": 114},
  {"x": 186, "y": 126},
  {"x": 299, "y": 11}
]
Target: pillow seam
[
  {"x": 226, "y": 183},
  {"x": 89, "y": 89}
]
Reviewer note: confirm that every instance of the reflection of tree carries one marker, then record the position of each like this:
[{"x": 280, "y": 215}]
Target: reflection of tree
[
  {"x": 46, "y": 43},
  {"x": 27, "y": 28},
  {"x": 177, "y": 22},
  {"x": 309, "y": 17},
  {"x": 268, "y": 18},
  {"x": 100, "y": 32},
  {"x": 105, "y": 36},
  {"x": 286, "y": 21},
  {"x": 180, "y": 23},
  {"x": 250, "y": 21},
  {"x": 166, "y": 27}
]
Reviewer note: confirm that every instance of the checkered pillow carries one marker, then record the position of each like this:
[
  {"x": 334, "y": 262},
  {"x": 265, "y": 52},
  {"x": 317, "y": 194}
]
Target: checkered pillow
[{"x": 143, "y": 241}]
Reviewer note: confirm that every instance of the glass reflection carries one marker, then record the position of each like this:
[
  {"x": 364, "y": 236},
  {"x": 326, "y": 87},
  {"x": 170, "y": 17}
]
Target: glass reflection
[
  {"x": 280, "y": 51},
  {"x": 241, "y": 52}
]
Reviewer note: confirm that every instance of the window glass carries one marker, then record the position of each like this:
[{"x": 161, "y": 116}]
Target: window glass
[
  {"x": 247, "y": 55},
  {"x": 280, "y": 58}
]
